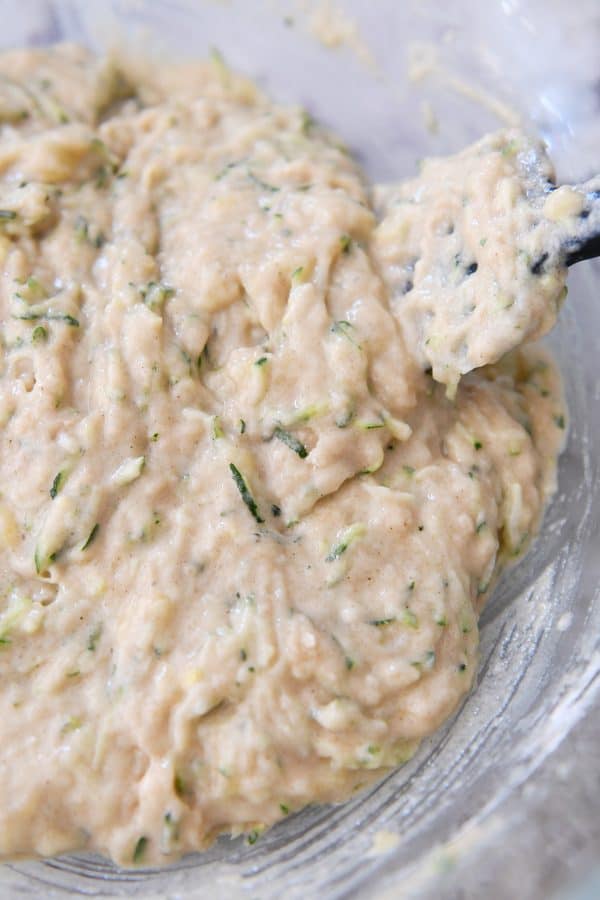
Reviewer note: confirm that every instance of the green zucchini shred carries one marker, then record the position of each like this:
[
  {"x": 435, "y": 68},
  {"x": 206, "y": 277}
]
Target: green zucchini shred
[
  {"x": 91, "y": 536},
  {"x": 140, "y": 849},
  {"x": 245, "y": 494},
  {"x": 289, "y": 440}
]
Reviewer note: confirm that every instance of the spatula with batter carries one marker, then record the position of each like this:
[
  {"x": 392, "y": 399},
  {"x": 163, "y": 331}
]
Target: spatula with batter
[{"x": 475, "y": 251}]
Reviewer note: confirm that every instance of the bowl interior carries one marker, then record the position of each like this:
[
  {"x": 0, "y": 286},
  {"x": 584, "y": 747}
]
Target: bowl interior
[{"x": 539, "y": 654}]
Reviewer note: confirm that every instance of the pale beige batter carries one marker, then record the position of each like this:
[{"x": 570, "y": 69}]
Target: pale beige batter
[{"x": 245, "y": 535}]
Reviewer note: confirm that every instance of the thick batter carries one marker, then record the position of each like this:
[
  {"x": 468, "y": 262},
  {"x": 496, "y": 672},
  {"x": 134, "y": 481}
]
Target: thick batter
[{"x": 245, "y": 535}]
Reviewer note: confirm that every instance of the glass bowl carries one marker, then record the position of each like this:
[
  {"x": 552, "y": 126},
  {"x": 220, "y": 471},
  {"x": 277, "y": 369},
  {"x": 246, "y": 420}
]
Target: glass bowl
[{"x": 502, "y": 802}]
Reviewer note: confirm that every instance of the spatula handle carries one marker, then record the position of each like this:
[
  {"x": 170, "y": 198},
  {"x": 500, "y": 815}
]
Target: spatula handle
[
  {"x": 588, "y": 249},
  {"x": 586, "y": 243}
]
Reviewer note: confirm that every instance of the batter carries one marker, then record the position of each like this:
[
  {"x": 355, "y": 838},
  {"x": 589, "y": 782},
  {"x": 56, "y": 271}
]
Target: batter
[{"x": 252, "y": 502}]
